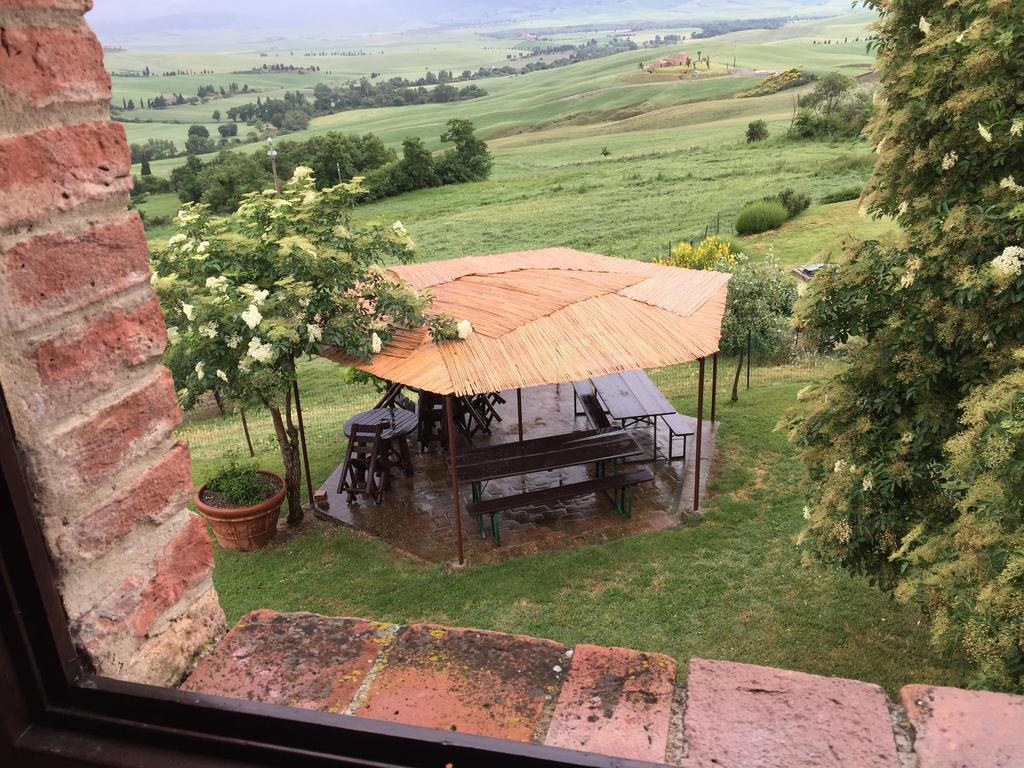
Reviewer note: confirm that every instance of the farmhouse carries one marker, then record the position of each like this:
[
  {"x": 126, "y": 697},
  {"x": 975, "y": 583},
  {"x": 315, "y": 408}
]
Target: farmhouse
[{"x": 675, "y": 60}]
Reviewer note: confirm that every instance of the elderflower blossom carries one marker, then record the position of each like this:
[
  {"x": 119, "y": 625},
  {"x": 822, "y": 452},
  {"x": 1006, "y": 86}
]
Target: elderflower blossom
[
  {"x": 302, "y": 172},
  {"x": 221, "y": 375},
  {"x": 950, "y": 160},
  {"x": 261, "y": 352},
  {"x": 840, "y": 466},
  {"x": 200, "y": 370},
  {"x": 1009, "y": 264},
  {"x": 172, "y": 335},
  {"x": 203, "y": 246},
  {"x": 913, "y": 265},
  {"x": 961, "y": 36},
  {"x": 189, "y": 310},
  {"x": 315, "y": 332},
  {"x": 209, "y": 330},
  {"x": 233, "y": 341},
  {"x": 924, "y": 26},
  {"x": 1017, "y": 127},
  {"x": 175, "y": 239},
  {"x": 219, "y": 284},
  {"x": 1011, "y": 184},
  {"x": 258, "y": 297},
  {"x": 465, "y": 328},
  {"x": 904, "y": 207},
  {"x": 868, "y": 484},
  {"x": 376, "y": 345},
  {"x": 986, "y": 134},
  {"x": 807, "y": 513},
  {"x": 252, "y": 317},
  {"x": 907, "y": 438}
]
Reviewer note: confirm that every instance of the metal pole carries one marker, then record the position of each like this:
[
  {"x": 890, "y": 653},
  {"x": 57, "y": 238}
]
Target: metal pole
[
  {"x": 248, "y": 438},
  {"x": 714, "y": 386},
  {"x": 302, "y": 440},
  {"x": 449, "y": 408},
  {"x": 748, "y": 359},
  {"x": 272, "y": 154},
  {"x": 519, "y": 409},
  {"x": 700, "y": 438}
]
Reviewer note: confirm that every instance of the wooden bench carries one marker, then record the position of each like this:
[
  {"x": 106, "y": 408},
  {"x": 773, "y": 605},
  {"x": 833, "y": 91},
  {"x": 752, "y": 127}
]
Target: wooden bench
[
  {"x": 585, "y": 396},
  {"x": 620, "y": 483},
  {"x": 679, "y": 426}
]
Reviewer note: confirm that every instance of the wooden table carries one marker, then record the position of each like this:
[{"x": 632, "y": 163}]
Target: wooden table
[
  {"x": 632, "y": 397},
  {"x": 401, "y": 423},
  {"x": 541, "y": 454}
]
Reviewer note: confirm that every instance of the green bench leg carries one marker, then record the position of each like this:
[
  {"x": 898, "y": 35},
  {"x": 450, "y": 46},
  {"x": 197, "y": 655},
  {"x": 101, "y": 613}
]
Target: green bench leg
[
  {"x": 496, "y": 528},
  {"x": 480, "y": 525}
]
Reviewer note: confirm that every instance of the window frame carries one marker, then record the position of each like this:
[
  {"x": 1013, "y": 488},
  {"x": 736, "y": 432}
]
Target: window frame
[{"x": 55, "y": 711}]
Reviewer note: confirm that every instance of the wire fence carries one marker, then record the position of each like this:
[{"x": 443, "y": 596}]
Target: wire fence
[{"x": 330, "y": 397}]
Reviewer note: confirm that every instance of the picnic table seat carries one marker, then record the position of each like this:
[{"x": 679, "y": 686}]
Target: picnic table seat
[
  {"x": 365, "y": 471},
  {"x": 679, "y": 426},
  {"x": 585, "y": 397},
  {"x": 621, "y": 484}
]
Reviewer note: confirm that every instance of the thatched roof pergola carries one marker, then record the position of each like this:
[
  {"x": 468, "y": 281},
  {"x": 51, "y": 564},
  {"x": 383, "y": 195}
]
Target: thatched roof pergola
[
  {"x": 547, "y": 317},
  {"x": 551, "y": 316}
]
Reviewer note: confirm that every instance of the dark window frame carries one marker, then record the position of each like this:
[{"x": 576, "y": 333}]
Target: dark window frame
[{"x": 56, "y": 712}]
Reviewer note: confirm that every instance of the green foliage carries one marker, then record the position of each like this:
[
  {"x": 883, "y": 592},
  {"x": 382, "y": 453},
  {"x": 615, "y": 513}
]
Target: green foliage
[
  {"x": 757, "y": 130},
  {"x": 829, "y": 92},
  {"x": 188, "y": 180},
  {"x": 199, "y": 145},
  {"x": 230, "y": 177},
  {"x": 794, "y": 202},
  {"x": 199, "y": 130},
  {"x": 145, "y": 170},
  {"x": 227, "y": 130},
  {"x": 760, "y": 305},
  {"x": 760, "y": 216},
  {"x": 913, "y": 453},
  {"x": 154, "y": 149},
  {"x": 841, "y": 196},
  {"x": 468, "y": 160},
  {"x": 241, "y": 486}
]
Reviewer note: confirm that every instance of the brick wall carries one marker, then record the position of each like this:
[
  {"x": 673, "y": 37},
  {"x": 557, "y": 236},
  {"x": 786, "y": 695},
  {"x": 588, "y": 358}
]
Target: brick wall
[{"x": 80, "y": 337}]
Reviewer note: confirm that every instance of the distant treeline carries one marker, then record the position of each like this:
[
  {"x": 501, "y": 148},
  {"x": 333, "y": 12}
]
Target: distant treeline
[
  {"x": 334, "y": 157},
  {"x": 716, "y": 28},
  {"x": 361, "y": 94}
]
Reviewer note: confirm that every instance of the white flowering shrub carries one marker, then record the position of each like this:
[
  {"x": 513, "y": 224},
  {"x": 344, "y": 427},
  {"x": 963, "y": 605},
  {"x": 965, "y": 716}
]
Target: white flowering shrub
[
  {"x": 244, "y": 297},
  {"x": 893, "y": 492}
]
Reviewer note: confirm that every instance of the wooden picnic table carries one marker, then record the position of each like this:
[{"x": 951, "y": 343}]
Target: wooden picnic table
[
  {"x": 632, "y": 398},
  {"x": 494, "y": 462},
  {"x": 400, "y": 422}
]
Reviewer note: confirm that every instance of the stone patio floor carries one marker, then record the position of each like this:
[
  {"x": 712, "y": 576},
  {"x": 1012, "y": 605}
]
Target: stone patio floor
[
  {"x": 610, "y": 701},
  {"x": 416, "y": 514}
]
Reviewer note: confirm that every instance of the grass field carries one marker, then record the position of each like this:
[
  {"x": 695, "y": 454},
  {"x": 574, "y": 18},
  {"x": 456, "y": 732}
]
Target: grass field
[{"x": 730, "y": 585}]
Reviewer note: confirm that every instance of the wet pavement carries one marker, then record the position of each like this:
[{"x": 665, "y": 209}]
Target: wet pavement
[{"x": 416, "y": 515}]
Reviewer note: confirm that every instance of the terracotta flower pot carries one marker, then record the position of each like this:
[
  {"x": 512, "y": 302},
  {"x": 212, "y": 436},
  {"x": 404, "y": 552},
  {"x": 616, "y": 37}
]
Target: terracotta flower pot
[{"x": 244, "y": 528}]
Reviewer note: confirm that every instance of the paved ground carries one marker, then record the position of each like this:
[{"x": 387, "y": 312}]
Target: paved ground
[
  {"x": 611, "y": 701},
  {"x": 417, "y": 514}
]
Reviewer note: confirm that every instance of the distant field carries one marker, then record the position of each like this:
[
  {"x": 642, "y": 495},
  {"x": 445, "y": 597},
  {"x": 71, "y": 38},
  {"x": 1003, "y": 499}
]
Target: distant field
[{"x": 606, "y": 90}]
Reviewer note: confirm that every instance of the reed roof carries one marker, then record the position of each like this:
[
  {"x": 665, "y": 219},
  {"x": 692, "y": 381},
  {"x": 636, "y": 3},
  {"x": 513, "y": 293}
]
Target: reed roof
[{"x": 550, "y": 316}]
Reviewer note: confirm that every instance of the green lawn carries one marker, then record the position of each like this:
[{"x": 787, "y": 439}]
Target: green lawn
[{"x": 730, "y": 585}]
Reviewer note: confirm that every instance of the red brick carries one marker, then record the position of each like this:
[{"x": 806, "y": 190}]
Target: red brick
[
  {"x": 120, "y": 433},
  {"x": 472, "y": 681},
  {"x": 965, "y": 729},
  {"x": 615, "y": 702},
  {"x": 88, "y": 357},
  {"x": 295, "y": 659},
  {"x": 744, "y": 716},
  {"x": 57, "y": 169},
  {"x": 45, "y": 65},
  {"x": 185, "y": 561},
  {"x": 53, "y": 273},
  {"x": 157, "y": 494}
]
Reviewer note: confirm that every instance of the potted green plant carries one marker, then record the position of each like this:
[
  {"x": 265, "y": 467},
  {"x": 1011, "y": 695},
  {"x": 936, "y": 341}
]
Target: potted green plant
[{"x": 242, "y": 506}]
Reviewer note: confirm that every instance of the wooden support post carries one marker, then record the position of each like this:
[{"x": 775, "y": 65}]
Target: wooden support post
[
  {"x": 248, "y": 438},
  {"x": 519, "y": 409},
  {"x": 700, "y": 439},
  {"x": 302, "y": 440},
  {"x": 449, "y": 409},
  {"x": 714, "y": 386}
]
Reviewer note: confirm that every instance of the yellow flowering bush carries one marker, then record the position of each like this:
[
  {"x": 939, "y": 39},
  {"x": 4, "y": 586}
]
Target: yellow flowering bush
[{"x": 711, "y": 253}]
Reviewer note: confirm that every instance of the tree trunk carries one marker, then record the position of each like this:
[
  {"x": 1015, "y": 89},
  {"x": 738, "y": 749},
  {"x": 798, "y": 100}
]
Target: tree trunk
[
  {"x": 290, "y": 456},
  {"x": 220, "y": 403},
  {"x": 736, "y": 378}
]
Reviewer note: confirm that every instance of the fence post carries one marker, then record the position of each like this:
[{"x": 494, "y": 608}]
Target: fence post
[{"x": 248, "y": 439}]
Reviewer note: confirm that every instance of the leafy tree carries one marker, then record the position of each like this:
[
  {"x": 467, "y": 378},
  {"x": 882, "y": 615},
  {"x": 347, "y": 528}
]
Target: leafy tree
[
  {"x": 416, "y": 168},
  {"x": 294, "y": 120},
  {"x": 231, "y": 176},
  {"x": 227, "y": 130},
  {"x": 469, "y": 160},
  {"x": 913, "y": 453},
  {"x": 199, "y": 130},
  {"x": 757, "y": 130},
  {"x": 187, "y": 180},
  {"x": 291, "y": 273},
  {"x": 153, "y": 149},
  {"x": 216, "y": 115},
  {"x": 145, "y": 170},
  {"x": 829, "y": 91}
]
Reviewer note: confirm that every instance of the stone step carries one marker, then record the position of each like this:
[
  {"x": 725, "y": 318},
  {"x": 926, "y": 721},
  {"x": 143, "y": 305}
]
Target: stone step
[
  {"x": 615, "y": 701},
  {"x": 965, "y": 729},
  {"x": 469, "y": 680},
  {"x": 745, "y": 716}
]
